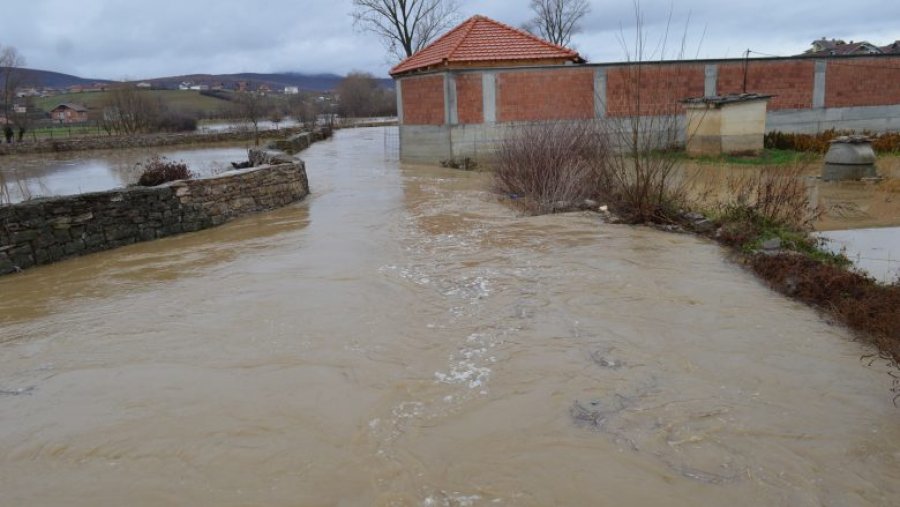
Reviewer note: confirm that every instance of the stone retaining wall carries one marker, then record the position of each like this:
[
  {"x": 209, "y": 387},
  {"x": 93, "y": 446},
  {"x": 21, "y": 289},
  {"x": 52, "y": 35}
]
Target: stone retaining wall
[
  {"x": 48, "y": 230},
  {"x": 136, "y": 141}
]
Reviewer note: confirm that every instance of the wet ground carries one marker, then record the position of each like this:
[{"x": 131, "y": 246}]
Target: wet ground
[{"x": 400, "y": 338}]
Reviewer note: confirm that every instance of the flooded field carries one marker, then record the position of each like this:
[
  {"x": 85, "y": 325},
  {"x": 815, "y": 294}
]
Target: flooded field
[
  {"x": 402, "y": 339},
  {"x": 44, "y": 175}
]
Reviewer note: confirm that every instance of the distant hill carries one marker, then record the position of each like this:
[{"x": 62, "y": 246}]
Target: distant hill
[
  {"x": 50, "y": 79},
  {"x": 307, "y": 82}
]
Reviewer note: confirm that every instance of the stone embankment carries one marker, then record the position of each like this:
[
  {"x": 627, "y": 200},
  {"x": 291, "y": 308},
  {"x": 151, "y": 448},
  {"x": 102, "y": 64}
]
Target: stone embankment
[
  {"x": 48, "y": 230},
  {"x": 136, "y": 141}
]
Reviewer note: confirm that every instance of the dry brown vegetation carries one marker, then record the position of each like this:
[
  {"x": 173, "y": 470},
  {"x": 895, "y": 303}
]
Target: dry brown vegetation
[
  {"x": 558, "y": 166},
  {"x": 553, "y": 167},
  {"x": 159, "y": 170},
  {"x": 887, "y": 142},
  {"x": 770, "y": 202}
]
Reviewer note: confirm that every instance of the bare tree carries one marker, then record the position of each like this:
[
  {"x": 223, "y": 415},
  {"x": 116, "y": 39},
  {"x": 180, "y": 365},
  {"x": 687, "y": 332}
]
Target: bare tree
[
  {"x": 303, "y": 108},
  {"x": 11, "y": 76},
  {"x": 127, "y": 110},
  {"x": 557, "y": 20},
  {"x": 405, "y": 26},
  {"x": 252, "y": 107},
  {"x": 24, "y": 119},
  {"x": 357, "y": 95}
]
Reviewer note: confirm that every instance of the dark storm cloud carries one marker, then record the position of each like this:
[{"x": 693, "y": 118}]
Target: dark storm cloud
[{"x": 118, "y": 39}]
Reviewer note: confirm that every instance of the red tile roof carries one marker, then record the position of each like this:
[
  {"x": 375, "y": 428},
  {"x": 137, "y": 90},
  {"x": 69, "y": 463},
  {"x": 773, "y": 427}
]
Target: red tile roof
[{"x": 481, "y": 39}]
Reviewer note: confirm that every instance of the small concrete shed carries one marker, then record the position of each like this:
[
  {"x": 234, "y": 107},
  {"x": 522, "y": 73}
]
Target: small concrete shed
[{"x": 726, "y": 124}]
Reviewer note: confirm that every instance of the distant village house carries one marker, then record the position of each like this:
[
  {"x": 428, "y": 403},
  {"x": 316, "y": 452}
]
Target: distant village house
[
  {"x": 69, "y": 113},
  {"x": 838, "y": 47}
]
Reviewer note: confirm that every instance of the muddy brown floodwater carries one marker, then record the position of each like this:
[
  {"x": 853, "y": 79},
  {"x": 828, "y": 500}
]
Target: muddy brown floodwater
[{"x": 402, "y": 339}]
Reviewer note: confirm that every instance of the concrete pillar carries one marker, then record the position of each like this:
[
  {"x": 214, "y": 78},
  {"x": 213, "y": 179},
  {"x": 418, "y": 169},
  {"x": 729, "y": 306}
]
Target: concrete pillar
[
  {"x": 819, "y": 85},
  {"x": 451, "y": 112},
  {"x": 489, "y": 96},
  {"x": 600, "y": 92},
  {"x": 399, "y": 86},
  {"x": 711, "y": 80}
]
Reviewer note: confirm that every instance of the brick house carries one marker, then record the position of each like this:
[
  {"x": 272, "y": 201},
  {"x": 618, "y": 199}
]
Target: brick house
[
  {"x": 461, "y": 95},
  {"x": 69, "y": 113},
  {"x": 437, "y": 87}
]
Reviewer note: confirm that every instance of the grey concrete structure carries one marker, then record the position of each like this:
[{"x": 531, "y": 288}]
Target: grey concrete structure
[
  {"x": 819, "y": 84},
  {"x": 600, "y": 93},
  {"x": 425, "y": 143},
  {"x": 399, "y": 93},
  {"x": 711, "y": 79},
  {"x": 451, "y": 114},
  {"x": 849, "y": 158},
  {"x": 810, "y": 121},
  {"x": 489, "y": 96}
]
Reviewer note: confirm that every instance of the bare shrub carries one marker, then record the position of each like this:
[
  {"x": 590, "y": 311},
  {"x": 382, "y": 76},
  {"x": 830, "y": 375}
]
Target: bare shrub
[
  {"x": 159, "y": 170},
  {"x": 551, "y": 167},
  {"x": 643, "y": 127},
  {"x": 777, "y": 194},
  {"x": 176, "y": 122},
  {"x": 645, "y": 182},
  {"x": 771, "y": 202}
]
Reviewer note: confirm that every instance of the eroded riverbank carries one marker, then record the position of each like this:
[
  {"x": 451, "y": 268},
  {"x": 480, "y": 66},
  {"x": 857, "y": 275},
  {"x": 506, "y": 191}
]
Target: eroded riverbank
[{"x": 403, "y": 339}]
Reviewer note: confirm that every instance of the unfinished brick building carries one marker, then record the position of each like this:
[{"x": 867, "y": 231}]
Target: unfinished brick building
[{"x": 461, "y": 94}]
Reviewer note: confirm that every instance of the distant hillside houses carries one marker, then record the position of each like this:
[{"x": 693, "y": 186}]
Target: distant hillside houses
[
  {"x": 838, "y": 47},
  {"x": 188, "y": 85}
]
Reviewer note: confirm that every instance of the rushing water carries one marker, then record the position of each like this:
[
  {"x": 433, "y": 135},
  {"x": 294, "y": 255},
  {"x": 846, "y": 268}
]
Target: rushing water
[{"x": 400, "y": 338}]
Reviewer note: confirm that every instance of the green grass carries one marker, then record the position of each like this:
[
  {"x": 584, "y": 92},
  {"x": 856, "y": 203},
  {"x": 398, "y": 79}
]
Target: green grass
[
  {"x": 63, "y": 131},
  {"x": 746, "y": 230},
  {"x": 183, "y": 101},
  {"x": 768, "y": 157}
]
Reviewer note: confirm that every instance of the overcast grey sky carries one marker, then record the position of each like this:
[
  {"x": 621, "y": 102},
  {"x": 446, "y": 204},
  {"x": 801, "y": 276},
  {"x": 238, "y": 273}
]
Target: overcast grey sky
[{"x": 130, "y": 39}]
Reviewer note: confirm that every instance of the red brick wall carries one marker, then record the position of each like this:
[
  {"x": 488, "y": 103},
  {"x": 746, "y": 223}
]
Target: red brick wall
[
  {"x": 568, "y": 92},
  {"x": 469, "y": 101},
  {"x": 661, "y": 88},
  {"x": 423, "y": 100},
  {"x": 545, "y": 95},
  {"x": 790, "y": 82},
  {"x": 862, "y": 82}
]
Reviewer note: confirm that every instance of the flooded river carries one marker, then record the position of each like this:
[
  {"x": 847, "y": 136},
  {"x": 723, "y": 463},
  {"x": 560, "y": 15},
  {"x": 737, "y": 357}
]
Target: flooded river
[{"x": 401, "y": 339}]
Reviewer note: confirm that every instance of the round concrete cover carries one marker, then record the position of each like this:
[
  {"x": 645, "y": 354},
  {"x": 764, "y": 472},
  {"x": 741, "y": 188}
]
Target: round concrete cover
[{"x": 850, "y": 154}]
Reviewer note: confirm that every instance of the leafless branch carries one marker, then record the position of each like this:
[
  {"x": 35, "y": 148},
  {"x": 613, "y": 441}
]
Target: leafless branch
[
  {"x": 557, "y": 20},
  {"x": 405, "y": 26}
]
